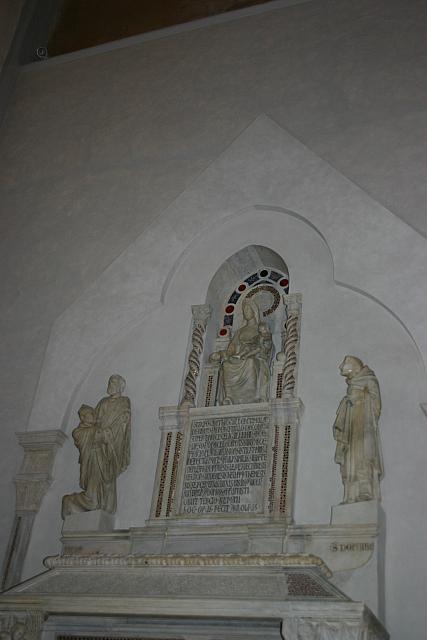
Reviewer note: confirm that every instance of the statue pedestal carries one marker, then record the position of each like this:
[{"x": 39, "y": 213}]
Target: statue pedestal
[
  {"x": 225, "y": 479},
  {"x": 97, "y": 520},
  {"x": 366, "y": 512}
]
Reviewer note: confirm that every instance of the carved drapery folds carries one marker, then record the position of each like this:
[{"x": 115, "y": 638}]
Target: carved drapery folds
[
  {"x": 358, "y": 450},
  {"x": 245, "y": 371},
  {"x": 201, "y": 315},
  {"x": 240, "y": 371},
  {"x": 103, "y": 440}
]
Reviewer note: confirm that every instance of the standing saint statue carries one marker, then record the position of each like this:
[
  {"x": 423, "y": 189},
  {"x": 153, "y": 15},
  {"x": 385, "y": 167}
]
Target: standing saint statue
[
  {"x": 358, "y": 450},
  {"x": 244, "y": 375},
  {"x": 103, "y": 440}
]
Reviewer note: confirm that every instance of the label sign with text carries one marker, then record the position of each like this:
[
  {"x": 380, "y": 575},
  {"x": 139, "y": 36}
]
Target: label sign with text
[
  {"x": 226, "y": 466},
  {"x": 352, "y": 546}
]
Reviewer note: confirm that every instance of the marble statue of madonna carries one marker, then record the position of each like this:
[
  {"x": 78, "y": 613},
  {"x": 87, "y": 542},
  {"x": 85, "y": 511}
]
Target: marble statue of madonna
[
  {"x": 244, "y": 375},
  {"x": 103, "y": 441},
  {"x": 358, "y": 449}
]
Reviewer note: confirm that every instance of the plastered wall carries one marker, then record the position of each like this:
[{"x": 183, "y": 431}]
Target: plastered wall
[{"x": 93, "y": 151}]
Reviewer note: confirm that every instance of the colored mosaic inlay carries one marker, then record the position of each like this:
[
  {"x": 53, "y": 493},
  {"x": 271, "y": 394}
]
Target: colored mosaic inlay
[
  {"x": 275, "y": 275},
  {"x": 285, "y": 467},
  {"x": 279, "y": 386},
  {"x": 174, "y": 474},
  {"x": 303, "y": 585},
  {"x": 234, "y": 297},
  {"x": 163, "y": 474},
  {"x": 274, "y": 293},
  {"x": 273, "y": 470},
  {"x": 253, "y": 278},
  {"x": 265, "y": 280},
  {"x": 209, "y": 391}
]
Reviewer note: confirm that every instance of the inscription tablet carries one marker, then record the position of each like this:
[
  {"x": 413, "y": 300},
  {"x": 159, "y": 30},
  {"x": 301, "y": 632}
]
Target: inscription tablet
[{"x": 226, "y": 466}]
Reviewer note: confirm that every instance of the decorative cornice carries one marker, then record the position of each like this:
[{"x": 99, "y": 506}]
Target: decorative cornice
[
  {"x": 300, "y": 560},
  {"x": 350, "y": 531},
  {"x": 172, "y": 418},
  {"x": 34, "y": 440}
]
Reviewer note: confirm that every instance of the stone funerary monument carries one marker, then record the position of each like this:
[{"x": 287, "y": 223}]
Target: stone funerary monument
[{"x": 221, "y": 555}]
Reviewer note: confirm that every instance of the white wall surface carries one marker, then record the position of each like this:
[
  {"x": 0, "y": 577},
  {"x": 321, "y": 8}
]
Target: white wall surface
[
  {"x": 93, "y": 150},
  {"x": 135, "y": 321}
]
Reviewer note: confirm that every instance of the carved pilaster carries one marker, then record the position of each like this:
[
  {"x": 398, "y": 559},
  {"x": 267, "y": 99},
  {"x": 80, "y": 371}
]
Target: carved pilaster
[
  {"x": 35, "y": 477},
  {"x": 32, "y": 482},
  {"x": 291, "y": 342},
  {"x": 22, "y": 625},
  {"x": 171, "y": 419},
  {"x": 201, "y": 315},
  {"x": 285, "y": 417}
]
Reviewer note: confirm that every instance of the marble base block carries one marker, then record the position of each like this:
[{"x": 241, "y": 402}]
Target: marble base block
[
  {"x": 89, "y": 521},
  {"x": 365, "y": 512},
  {"x": 221, "y": 596}
]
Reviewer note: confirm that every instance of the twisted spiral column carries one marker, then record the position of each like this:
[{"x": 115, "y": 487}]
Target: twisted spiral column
[
  {"x": 201, "y": 314},
  {"x": 291, "y": 349}
]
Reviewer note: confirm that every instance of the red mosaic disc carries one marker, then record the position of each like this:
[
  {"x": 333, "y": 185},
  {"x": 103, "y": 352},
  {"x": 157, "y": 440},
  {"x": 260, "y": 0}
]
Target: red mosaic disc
[
  {"x": 241, "y": 287},
  {"x": 284, "y": 282},
  {"x": 223, "y": 332},
  {"x": 229, "y": 308}
]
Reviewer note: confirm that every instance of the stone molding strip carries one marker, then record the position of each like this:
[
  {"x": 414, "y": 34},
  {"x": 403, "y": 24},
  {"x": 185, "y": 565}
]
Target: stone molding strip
[{"x": 301, "y": 560}]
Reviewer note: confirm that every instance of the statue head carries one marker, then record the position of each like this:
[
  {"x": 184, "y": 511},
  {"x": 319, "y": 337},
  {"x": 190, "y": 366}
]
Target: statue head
[
  {"x": 251, "y": 310},
  {"x": 116, "y": 385},
  {"x": 350, "y": 366},
  {"x": 87, "y": 414}
]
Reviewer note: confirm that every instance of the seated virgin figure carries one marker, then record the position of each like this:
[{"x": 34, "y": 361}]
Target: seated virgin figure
[{"x": 244, "y": 375}]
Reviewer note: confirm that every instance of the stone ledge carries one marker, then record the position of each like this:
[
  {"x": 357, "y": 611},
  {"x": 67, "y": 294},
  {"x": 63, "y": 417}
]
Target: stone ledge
[
  {"x": 189, "y": 560},
  {"x": 34, "y": 440}
]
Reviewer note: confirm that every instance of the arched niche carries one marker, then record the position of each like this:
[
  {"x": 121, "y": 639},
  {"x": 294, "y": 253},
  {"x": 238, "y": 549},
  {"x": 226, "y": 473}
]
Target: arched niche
[
  {"x": 259, "y": 276},
  {"x": 255, "y": 272}
]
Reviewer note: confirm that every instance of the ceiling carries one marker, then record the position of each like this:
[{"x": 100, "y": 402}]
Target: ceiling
[{"x": 80, "y": 24}]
